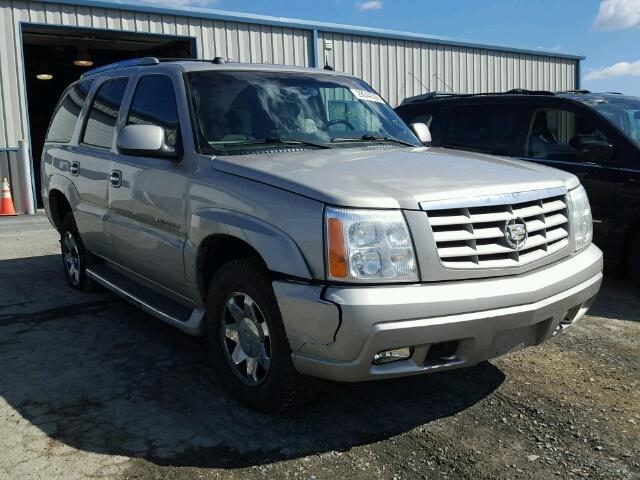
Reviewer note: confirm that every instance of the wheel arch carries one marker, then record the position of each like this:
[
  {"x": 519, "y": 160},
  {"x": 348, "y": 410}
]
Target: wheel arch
[
  {"x": 219, "y": 236},
  {"x": 59, "y": 206},
  {"x": 60, "y": 198}
]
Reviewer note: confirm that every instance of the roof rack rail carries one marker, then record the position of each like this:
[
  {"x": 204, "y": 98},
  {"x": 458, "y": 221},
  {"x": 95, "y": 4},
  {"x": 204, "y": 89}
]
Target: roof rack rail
[
  {"x": 524, "y": 91},
  {"x": 580, "y": 91},
  {"x": 432, "y": 95},
  {"x": 136, "y": 62},
  {"x": 148, "y": 61}
]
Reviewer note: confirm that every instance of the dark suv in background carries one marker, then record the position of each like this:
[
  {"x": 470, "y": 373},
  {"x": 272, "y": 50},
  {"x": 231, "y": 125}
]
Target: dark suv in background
[{"x": 596, "y": 136}]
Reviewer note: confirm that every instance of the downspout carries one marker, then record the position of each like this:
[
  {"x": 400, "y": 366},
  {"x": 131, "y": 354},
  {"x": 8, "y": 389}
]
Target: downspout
[{"x": 314, "y": 49}]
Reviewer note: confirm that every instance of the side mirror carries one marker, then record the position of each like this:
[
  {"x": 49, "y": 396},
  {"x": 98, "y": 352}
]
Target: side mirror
[
  {"x": 596, "y": 152},
  {"x": 422, "y": 132},
  {"x": 146, "y": 141}
]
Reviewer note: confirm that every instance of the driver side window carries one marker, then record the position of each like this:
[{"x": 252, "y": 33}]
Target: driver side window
[
  {"x": 556, "y": 134},
  {"x": 344, "y": 112}
]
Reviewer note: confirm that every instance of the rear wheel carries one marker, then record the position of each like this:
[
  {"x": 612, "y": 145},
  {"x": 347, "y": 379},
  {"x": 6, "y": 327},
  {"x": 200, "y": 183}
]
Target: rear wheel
[
  {"x": 633, "y": 258},
  {"x": 248, "y": 342},
  {"x": 75, "y": 258}
]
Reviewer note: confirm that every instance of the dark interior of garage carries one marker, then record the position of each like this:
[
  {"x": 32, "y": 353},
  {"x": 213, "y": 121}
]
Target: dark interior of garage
[{"x": 56, "y": 57}]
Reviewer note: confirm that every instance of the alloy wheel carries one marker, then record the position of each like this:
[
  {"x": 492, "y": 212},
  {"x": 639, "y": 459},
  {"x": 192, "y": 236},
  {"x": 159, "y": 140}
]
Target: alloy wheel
[
  {"x": 245, "y": 339},
  {"x": 71, "y": 257}
]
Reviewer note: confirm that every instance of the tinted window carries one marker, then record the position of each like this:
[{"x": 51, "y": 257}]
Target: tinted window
[
  {"x": 622, "y": 111},
  {"x": 66, "y": 115},
  {"x": 558, "y": 135},
  {"x": 101, "y": 124},
  {"x": 154, "y": 103},
  {"x": 482, "y": 128}
]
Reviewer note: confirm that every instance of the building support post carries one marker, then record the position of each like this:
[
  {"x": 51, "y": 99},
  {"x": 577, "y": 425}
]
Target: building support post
[{"x": 24, "y": 159}]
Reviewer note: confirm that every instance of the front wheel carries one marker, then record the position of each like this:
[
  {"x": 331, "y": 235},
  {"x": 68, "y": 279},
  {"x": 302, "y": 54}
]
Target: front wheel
[{"x": 249, "y": 347}]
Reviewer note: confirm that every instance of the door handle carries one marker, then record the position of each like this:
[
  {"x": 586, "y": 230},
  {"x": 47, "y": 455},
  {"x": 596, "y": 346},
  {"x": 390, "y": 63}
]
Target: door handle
[
  {"x": 75, "y": 168},
  {"x": 115, "y": 178}
]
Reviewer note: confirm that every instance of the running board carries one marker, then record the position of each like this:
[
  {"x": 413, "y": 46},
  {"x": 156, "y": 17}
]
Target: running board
[{"x": 161, "y": 307}]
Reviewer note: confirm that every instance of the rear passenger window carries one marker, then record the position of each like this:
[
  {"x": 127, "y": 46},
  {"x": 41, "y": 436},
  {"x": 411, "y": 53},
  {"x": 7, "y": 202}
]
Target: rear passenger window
[
  {"x": 65, "y": 117},
  {"x": 559, "y": 135},
  {"x": 154, "y": 103},
  {"x": 101, "y": 123},
  {"x": 483, "y": 128}
]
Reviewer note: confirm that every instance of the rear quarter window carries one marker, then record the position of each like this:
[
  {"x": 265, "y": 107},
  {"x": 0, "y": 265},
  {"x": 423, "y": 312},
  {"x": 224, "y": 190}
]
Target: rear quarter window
[{"x": 65, "y": 117}]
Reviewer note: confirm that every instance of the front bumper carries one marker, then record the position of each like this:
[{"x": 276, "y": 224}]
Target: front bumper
[{"x": 479, "y": 319}]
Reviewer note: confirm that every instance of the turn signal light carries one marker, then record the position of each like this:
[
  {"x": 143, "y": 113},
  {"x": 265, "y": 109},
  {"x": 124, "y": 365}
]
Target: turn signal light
[{"x": 336, "y": 249}]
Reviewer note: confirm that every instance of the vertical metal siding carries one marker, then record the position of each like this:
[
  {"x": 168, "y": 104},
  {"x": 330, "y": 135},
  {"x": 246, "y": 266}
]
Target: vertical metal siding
[
  {"x": 239, "y": 41},
  {"x": 399, "y": 68},
  {"x": 396, "y": 68}
]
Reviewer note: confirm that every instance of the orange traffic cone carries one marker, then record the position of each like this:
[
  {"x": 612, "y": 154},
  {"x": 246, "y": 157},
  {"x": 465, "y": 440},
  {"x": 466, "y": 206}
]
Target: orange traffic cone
[{"x": 6, "y": 202}]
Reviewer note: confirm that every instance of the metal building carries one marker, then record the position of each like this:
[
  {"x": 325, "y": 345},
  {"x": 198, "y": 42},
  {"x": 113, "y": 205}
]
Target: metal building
[{"x": 46, "y": 44}]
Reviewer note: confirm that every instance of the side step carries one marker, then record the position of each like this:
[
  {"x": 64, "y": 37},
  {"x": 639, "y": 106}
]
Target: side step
[{"x": 161, "y": 307}]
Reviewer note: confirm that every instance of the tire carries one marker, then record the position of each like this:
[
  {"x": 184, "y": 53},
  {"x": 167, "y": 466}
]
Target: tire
[
  {"x": 75, "y": 257},
  {"x": 633, "y": 258},
  {"x": 261, "y": 374}
]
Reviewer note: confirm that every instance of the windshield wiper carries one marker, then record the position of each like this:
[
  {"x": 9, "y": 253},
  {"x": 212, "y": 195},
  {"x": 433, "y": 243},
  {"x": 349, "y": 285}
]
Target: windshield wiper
[
  {"x": 277, "y": 140},
  {"x": 372, "y": 138}
]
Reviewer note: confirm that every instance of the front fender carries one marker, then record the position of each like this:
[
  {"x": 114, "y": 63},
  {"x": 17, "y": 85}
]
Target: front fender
[{"x": 277, "y": 249}]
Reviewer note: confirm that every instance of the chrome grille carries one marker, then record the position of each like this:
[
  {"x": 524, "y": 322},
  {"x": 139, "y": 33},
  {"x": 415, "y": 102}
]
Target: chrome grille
[{"x": 474, "y": 236}]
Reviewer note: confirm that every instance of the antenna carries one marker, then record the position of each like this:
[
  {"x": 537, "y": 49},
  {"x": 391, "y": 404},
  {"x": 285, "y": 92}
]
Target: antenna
[
  {"x": 435, "y": 75},
  {"x": 418, "y": 80}
]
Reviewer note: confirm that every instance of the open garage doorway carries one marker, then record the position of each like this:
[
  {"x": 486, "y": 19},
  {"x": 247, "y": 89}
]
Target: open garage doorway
[{"x": 54, "y": 57}]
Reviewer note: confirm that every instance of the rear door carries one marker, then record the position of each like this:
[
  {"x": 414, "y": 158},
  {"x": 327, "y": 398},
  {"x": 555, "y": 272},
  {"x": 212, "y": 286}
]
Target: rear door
[
  {"x": 554, "y": 132},
  {"x": 90, "y": 162},
  {"x": 491, "y": 127},
  {"x": 147, "y": 195},
  {"x": 59, "y": 150}
]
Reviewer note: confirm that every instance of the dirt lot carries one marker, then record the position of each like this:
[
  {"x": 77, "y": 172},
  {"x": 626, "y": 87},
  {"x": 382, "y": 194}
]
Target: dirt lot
[{"x": 91, "y": 387}]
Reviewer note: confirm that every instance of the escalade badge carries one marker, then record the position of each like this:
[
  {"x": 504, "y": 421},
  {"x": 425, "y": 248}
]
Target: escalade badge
[{"x": 515, "y": 232}]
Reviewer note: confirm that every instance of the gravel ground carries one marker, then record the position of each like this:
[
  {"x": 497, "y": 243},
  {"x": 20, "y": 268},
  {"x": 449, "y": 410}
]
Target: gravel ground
[{"x": 92, "y": 387}]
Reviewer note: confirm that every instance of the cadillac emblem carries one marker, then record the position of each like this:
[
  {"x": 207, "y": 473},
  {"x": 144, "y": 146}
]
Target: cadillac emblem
[{"x": 515, "y": 232}]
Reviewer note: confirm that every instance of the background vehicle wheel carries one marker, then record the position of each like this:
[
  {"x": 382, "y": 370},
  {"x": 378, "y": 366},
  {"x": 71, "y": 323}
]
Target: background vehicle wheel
[
  {"x": 75, "y": 258},
  {"x": 249, "y": 347},
  {"x": 633, "y": 258}
]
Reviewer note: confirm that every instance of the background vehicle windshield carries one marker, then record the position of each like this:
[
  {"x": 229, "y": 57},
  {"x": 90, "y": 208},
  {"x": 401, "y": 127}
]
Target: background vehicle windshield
[
  {"x": 242, "y": 109},
  {"x": 623, "y": 112}
]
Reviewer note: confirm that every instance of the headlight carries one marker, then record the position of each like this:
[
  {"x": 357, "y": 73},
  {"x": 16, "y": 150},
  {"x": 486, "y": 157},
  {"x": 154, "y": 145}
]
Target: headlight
[
  {"x": 581, "y": 221},
  {"x": 369, "y": 246}
]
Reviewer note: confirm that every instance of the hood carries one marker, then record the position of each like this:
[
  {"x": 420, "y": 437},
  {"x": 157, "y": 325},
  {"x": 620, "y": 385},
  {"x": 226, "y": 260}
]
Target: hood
[{"x": 392, "y": 177}]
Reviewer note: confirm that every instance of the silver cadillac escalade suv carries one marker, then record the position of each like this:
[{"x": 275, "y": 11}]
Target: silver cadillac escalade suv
[{"x": 291, "y": 217}]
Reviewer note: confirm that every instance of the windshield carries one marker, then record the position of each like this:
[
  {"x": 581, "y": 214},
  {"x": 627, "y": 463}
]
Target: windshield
[
  {"x": 240, "y": 110},
  {"x": 623, "y": 112}
]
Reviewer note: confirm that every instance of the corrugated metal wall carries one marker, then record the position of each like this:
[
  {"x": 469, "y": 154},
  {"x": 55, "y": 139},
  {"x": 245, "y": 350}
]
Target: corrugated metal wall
[
  {"x": 239, "y": 41},
  {"x": 398, "y": 68}
]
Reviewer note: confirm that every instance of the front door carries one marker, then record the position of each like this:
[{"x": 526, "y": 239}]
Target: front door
[
  {"x": 147, "y": 195},
  {"x": 554, "y": 138}
]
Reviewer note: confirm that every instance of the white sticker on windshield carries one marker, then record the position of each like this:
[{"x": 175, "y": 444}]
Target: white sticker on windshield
[{"x": 364, "y": 95}]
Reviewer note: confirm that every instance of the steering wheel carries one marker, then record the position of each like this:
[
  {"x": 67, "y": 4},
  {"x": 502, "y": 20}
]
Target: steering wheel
[{"x": 346, "y": 123}]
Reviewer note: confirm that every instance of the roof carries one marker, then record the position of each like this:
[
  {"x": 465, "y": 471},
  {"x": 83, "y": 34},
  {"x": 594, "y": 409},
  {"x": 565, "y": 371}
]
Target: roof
[
  {"x": 583, "y": 96},
  {"x": 190, "y": 65},
  {"x": 183, "y": 11}
]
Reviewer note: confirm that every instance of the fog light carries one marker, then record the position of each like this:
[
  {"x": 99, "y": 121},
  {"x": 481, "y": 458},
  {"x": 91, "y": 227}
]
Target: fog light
[{"x": 395, "y": 355}]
